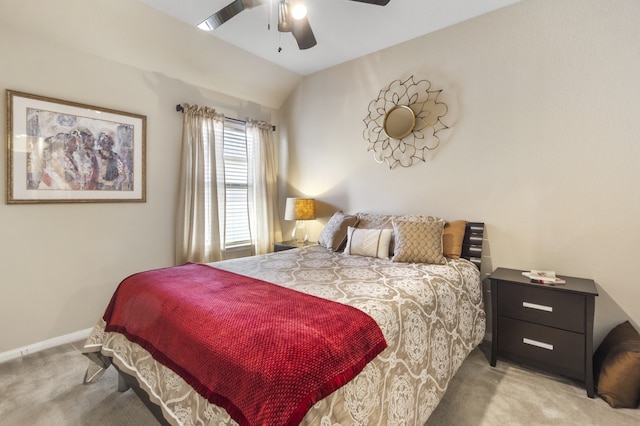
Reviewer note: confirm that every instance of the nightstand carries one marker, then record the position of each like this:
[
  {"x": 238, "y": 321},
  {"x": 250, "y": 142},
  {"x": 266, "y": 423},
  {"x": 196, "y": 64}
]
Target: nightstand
[
  {"x": 288, "y": 245},
  {"x": 544, "y": 326}
]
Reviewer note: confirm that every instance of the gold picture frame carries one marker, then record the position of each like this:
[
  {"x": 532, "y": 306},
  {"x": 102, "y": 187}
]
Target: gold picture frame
[{"x": 67, "y": 152}]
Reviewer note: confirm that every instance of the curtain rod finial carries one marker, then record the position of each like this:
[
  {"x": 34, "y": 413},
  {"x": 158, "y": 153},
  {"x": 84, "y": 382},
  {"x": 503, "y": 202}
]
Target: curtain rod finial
[{"x": 179, "y": 108}]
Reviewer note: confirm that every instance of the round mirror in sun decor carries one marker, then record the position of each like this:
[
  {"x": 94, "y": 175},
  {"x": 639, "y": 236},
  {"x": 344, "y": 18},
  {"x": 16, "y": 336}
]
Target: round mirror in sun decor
[
  {"x": 404, "y": 121},
  {"x": 399, "y": 122}
]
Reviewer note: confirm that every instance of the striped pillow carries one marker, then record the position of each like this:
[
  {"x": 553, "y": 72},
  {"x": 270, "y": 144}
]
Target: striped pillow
[{"x": 368, "y": 242}]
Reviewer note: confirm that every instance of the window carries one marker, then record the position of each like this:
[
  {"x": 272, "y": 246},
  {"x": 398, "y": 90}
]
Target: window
[{"x": 236, "y": 184}]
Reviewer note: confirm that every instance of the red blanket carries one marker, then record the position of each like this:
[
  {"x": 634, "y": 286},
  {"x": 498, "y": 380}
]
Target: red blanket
[{"x": 263, "y": 352}]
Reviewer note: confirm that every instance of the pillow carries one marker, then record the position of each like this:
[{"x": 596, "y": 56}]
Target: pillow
[
  {"x": 374, "y": 221},
  {"x": 616, "y": 365},
  {"x": 452, "y": 238},
  {"x": 419, "y": 241},
  {"x": 384, "y": 221},
  {"x": 416, "y": 218},
  {"x": 334, "y": 234},
  {"x": 368, "y": 242}
]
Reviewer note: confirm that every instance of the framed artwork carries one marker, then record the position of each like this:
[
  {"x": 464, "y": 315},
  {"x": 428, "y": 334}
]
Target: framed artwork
[{"x": 65, "y": 152}]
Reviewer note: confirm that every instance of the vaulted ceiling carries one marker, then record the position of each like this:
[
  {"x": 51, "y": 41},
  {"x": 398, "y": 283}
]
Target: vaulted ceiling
[{"x": 344, "y": 29}]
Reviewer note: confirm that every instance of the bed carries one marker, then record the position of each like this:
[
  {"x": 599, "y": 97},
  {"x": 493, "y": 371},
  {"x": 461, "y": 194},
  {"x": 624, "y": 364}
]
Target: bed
[{"x": 430, "y": 316}]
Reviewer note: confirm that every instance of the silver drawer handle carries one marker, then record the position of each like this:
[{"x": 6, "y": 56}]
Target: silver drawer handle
[
  {"x": 538, "y": 307},
  {"x": 536, "y": 343}
]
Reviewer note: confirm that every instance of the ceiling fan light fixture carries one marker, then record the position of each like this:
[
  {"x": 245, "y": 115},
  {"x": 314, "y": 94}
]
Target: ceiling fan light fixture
[
  {"x": 292, "y": 17},
  {"x": 298, "y": 11}
]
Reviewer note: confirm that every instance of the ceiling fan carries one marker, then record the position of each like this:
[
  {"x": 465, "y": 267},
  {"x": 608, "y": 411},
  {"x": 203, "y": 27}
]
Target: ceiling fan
[{"x": 292, "y": 17}]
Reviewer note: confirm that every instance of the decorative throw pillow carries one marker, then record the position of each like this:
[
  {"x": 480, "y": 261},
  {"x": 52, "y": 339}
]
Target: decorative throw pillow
[
  {"x": 334, "y": 234},
  {"x": 419, "y": 241},
  {"x": 368, "y": 242},
  {"x": 616, "y": 366},
  {"x": 416, "y": 218},
  {"x": 452, "y": 238},
  {"x": 384, "y": 221},
  {"x": 374, "y": 221}
]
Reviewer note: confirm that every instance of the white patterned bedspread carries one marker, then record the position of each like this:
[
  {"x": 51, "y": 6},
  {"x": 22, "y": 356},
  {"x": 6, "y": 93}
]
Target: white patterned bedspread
[{"x": 432, "y": 316}]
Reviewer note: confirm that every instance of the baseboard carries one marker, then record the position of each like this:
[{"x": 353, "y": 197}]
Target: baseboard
[{"x": 46, "y": 344}]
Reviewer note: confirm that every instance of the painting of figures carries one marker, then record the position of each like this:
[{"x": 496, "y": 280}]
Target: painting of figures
[{"x": 65, "y": 152}]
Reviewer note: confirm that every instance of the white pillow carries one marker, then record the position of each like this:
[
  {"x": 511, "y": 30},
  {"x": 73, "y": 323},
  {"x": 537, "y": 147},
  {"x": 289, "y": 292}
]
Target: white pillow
[{"x": 368, "y": 242}]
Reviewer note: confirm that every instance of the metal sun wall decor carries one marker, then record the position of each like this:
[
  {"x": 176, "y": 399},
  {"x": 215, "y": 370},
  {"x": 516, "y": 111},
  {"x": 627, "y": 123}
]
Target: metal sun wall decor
[{"x": 404, "y": 147}]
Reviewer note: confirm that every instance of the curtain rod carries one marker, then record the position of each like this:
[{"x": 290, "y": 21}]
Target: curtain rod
[{"x": 180, "y": 108}]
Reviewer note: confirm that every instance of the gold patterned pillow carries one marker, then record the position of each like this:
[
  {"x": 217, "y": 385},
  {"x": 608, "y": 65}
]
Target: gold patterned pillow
[
  {"x": 418, "y": 241},
  {"x": 334, "y": 234},
  {"x": 384, "y": 221}
]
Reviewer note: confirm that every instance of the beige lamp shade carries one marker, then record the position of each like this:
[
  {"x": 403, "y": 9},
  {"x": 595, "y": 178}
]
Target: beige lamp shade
[{"x": 300, "y": 209}]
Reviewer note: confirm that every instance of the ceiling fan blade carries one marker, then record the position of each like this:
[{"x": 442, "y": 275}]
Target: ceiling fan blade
[
  {"x": 378, "y": 2},
  {"x": 303, "y": 34},
  {"x": 222, "y": 16}
]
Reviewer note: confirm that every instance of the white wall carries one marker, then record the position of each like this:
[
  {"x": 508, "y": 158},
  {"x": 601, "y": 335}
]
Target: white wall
[
  {"x": 61, "y": 263},
  {"x": 543, "y": 146}
]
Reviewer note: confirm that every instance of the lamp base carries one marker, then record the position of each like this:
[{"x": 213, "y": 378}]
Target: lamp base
[{"x": 299, "y": 233}]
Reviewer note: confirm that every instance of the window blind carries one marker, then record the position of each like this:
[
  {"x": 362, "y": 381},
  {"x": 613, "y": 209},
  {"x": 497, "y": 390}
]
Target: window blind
[{"x": 237, "y": 190}]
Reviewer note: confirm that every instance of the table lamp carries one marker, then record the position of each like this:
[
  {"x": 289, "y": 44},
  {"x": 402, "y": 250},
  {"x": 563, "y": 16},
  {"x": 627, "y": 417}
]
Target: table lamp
[{"x": 300, "y": 210}]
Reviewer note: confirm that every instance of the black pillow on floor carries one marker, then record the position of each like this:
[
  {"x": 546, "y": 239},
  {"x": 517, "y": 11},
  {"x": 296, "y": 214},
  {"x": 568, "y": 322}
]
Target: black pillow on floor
[{"x": 616, "y": 367}]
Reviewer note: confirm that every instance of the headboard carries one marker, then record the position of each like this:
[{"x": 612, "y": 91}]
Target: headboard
[{"x": 472, "y": 243}]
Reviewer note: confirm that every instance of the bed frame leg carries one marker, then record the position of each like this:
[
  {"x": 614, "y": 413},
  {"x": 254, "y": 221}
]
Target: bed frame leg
[{"x": 122, "y": 384}]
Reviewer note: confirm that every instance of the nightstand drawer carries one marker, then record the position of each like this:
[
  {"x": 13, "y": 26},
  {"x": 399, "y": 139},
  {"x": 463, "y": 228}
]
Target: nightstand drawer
[
  {"x": 545, "y": 347},
  {"x": 542, "y": 306}
]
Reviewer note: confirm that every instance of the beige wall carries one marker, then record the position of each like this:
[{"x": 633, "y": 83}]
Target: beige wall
[
  {"x": 543, "y": 146},
  {"x": 61, "y": 263}
]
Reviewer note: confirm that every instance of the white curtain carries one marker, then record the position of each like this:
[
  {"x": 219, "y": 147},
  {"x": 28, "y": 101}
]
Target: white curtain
[
  {"x": 263, "y": 174},
  {"x": 201, "y": 205},
  {"x": 198, "y": 234}
]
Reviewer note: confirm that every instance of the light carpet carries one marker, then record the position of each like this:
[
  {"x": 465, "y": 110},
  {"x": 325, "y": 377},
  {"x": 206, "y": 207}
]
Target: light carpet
[{"x": 45, "y": 389}]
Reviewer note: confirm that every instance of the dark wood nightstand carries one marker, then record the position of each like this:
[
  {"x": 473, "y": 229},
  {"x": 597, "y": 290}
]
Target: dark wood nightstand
[
  {"x": 288, "y": 245},
  {"x": 547, "y": 327}
]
